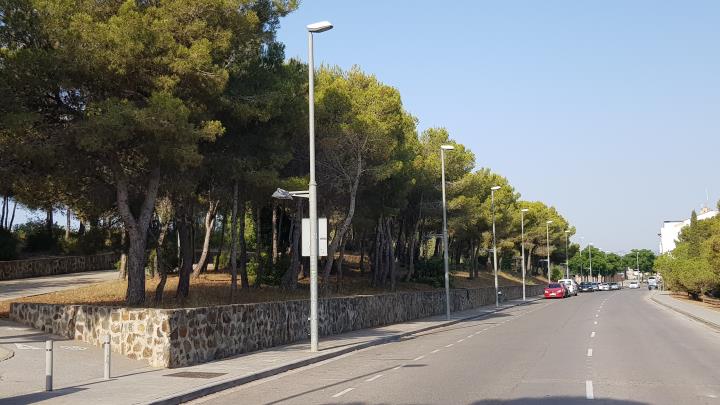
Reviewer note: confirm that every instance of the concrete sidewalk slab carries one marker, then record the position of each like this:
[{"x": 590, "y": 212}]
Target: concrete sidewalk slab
[
  {"x": 707, "y": 316},
  {"x": 172, "y": 386}
]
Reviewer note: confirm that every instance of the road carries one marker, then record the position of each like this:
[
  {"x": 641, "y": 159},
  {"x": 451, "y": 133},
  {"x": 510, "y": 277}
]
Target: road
[
  {"x": 610, "y": 347},
  {"x": 24, "y": 287}
]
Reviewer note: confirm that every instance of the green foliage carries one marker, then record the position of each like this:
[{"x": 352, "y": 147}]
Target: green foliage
[
  {"x": 36, "y": 238},
  {"x": 431, "y": 272},
  {"x": 9, "y": 245},
  {"x": 694, "y": 265}
]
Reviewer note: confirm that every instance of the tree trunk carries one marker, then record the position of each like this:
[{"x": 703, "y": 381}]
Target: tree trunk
[
  {"x": 391, "y": 254},
  {"x": 2, "y": 212},
  {"x": 339, "y": 264},
  {"x": 274, "y": 232},
  {"x": 290, "y": 277},
  {"x": 49, "y": 221},
  {"x": 122, "y": 271},
  {"x": 137, "y": 233},
  {"x": 340, "y": 233},
  {"x": 233, "y": 242},
  {"x": 242, "y": 245},
  {"x": 209, "y": 226},
  {"x": 161, "y": 262},
  {"x": 362, "y": 254},
  {"x": 216, "y": 265},
  {"x": 184, "y": 228},
  {"x": 259, "y": 269},
  {"x": 67, "y": 223},
  {"x": 12, "y": 218}
]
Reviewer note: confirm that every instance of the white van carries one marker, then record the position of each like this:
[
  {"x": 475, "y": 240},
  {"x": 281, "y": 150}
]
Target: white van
[{"x": 571, "y": 285}]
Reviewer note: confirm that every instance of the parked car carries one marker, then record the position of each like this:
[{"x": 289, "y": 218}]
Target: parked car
[
  {"x": 596, "y": 286},
  {"x": 556, "y": 290},
  {"x": 604, "y": 287},
  {"x": 571, "y": 285},
  {"x": 586, "y": 287},
  {"x": 614, "y": 286},
  {"x": 652, "y": 283},
  {"x": 634, "y": 284}
]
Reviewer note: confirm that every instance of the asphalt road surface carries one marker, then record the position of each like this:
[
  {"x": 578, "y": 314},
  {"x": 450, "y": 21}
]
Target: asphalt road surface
[
  {"x": 24, "y": 287},
  {"x": 614, "y": 347}
]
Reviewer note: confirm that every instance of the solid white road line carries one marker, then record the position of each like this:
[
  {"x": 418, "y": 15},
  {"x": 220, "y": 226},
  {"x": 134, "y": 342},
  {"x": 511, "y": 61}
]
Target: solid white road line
[
  {"x": 343, "y": 392},
  {"x": 592, "y": 335},
  {"x": 418, "y": 358},
  {"x": 589, "y": 390},
  {"x": 589, "y": 352},
  {"x": 371, "y": 379}
]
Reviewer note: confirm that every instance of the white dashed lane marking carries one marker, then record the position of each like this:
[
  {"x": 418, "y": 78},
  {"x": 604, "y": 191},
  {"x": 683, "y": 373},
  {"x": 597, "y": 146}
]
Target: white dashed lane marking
[
  {"x": 592, "y": 335},
  {"x": 343, "y": 392},
  {"x": 589, "y": 390},
  {"x": 589, "y": 354},
  {"x": 450, "y": 345},
  {"x": 434, "y": 351},
  {"x": 371, "y": 379},
  {"x": 418, "y": 358}
]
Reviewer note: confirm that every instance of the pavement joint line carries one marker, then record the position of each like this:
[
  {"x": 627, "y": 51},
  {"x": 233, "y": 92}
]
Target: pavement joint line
[
  {"x": 589, "y": 394},
  {"x": 419, "y": 358},
  {"x": 371, "y": 379},
  {"x": 687, "y": 314},
  {"x": 589, "y": 353},
  {"x": 205, "y": 390},
  {"x": 343, "y": 392}
]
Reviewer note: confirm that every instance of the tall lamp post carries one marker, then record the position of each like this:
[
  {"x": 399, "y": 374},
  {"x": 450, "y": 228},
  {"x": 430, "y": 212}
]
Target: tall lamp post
[
  {"x": 547, "y": 232},
  {"x": 443, "y": 148},
  {"x": 637, "y": 261},
  {"x": 314, "y": 28},
  {"x": 590, "y": 255},
  {"x": 522, "y": 245},
  {"x": 492, "y": 206},
  {"x": 567, "y": 259}
]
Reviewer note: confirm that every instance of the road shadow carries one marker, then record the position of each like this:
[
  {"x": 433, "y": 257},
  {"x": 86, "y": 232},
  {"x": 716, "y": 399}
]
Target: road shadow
[
  {"x": 38, "y": 396},
  {"x": 562, "y": 400}
]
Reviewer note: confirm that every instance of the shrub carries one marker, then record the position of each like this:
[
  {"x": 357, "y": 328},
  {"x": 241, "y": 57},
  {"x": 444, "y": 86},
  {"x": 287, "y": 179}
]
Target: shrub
[
  {"x": 432, "y": 272},
  {"x": 36, "y": 238},
  {"x": 8, "y": 245}
]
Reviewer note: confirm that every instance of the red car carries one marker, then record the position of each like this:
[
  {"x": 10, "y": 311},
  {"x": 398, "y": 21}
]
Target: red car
[{"x": 555, "y": 290}]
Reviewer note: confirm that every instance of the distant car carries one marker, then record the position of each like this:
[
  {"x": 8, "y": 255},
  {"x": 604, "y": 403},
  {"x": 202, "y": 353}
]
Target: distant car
[
  {"x": 652, "y": 283},
  {"x": 634, "y": 284},
  {"x": 604, "y": 287},
  {"x": 571, "y": 285},
  {"x": 596, "y": 286},
  {"x": 614, "y": 286},
  {"x": 556, "y": 290},
  {"x": 586, "y": 287}
]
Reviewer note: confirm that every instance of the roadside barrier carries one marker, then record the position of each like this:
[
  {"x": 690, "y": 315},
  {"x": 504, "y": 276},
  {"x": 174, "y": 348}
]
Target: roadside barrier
[{"x": 49, "y": 362}]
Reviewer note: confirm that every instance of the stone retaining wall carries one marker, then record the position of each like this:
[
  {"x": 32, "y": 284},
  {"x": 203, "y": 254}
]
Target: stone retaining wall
[
  {"x": 183, "y": 337},
  {"x": 49, "y": 266}
]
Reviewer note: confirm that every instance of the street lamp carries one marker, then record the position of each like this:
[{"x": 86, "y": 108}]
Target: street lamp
[
  {"x": 492, "y": 205},
  {"x": 590, "y": 255},
  {"x": 567, "y": 259},
  {"x": 317, "y": 27},
  {"x": 522, "y": 245},
  {"x": 637, "y": 262},
  {"x": 443, "y": 148},
  {"x": 547, "y": 231}
]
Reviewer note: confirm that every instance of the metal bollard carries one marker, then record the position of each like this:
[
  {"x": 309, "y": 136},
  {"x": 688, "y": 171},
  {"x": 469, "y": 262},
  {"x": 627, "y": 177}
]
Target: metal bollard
[
  {"x": 48, "y": 365},
  {"x": 106, "y": 345}
]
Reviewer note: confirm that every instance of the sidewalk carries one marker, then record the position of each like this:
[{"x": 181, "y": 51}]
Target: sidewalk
[
  {"x": 699, "y": 313},
  {"x": 24, "y": 287},
  {"x": 172, "y": 386}
]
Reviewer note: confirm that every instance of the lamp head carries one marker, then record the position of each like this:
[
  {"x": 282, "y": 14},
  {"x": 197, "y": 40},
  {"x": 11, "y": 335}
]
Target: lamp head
[
  {"x": 320, "y": 26},
  {"x": 549, "y": 222},
  {"x": 524, "y": 210},
  {"x": 495, "y": 188},
  {"x": 282, "y": 194},
  {"x": 447, "y": 147}
]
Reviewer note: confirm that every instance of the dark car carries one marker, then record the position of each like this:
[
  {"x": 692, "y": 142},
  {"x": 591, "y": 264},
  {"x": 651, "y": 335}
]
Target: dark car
[{"x": 586, "y": 287}]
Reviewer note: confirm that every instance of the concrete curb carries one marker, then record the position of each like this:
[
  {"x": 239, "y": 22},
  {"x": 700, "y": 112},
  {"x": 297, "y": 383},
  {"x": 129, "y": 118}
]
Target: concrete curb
[
  {"x": 200, "y": 392},
  {"x": 689, "y": 315}
]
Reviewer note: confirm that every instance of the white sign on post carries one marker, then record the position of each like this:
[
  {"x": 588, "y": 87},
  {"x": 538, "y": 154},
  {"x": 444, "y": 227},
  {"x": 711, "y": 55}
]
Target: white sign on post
[{"x": 322, "y": 237}]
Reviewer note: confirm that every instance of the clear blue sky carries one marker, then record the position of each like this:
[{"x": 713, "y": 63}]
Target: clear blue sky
[{"x": 608, "y": 110}]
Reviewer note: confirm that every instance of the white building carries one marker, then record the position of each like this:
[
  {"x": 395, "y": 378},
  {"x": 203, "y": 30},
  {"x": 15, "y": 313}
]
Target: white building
[{"x": 671, "y": 229}]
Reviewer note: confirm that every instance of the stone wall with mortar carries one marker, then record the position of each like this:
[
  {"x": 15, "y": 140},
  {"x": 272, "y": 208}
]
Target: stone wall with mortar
[
  {"x": 183, "y": 337},
  {"x": 50, "y": 266}
]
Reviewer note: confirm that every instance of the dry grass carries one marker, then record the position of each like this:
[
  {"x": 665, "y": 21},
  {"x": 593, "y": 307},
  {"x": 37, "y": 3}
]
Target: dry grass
[{"x": 214, "y": 289}]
